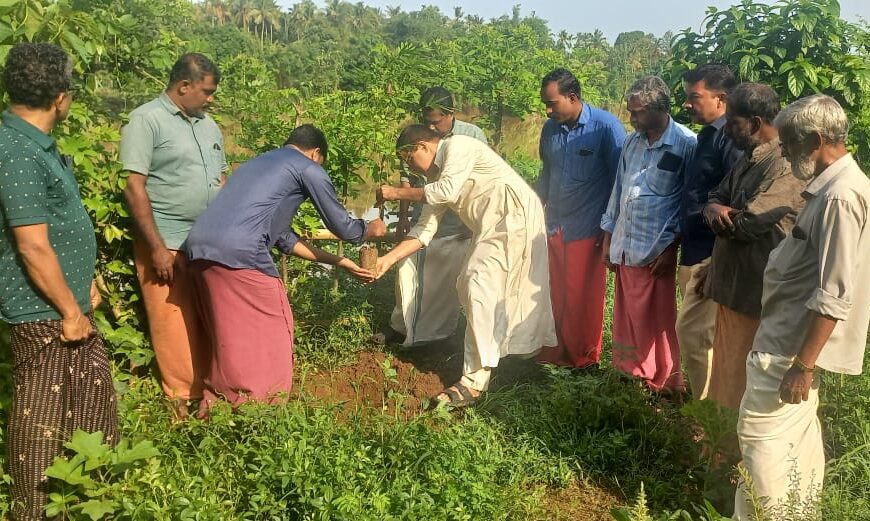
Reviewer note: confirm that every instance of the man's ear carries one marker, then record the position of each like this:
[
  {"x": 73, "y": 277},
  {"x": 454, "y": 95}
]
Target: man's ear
[
  {"x": 755, "y": 124},
  {"x": 815, "y": 141}
]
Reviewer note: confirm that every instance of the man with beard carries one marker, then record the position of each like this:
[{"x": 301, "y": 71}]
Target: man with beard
[
  {"x": 814, "y": 311},
  {"x": 579, "y": 148},
  {"x": 641, "y": 228},
  {"x": 751, "y": 211},
  {"x": 707, "y": 89}
]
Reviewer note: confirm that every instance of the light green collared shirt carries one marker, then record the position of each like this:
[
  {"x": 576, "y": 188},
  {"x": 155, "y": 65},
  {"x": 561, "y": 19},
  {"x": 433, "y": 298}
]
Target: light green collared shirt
[{"x": 183, "y": 159}]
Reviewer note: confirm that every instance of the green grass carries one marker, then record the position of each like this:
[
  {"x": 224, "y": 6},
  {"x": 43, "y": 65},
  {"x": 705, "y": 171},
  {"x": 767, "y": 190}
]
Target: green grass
[{"x": 501, "y": 460}]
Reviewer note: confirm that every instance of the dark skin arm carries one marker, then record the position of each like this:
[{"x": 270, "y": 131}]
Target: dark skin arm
[
  {"x": 797, "y": 382},
  {"x": 140, "y": 208},
  {"x": 666, "y": 262},
  {"x": 404, "y": 224},
  {"x": 309, "y": 252},
  {"x": 43, "y": 268},
  {"x": 718, "y": 218},
  {"x": 605, "y": 251}
]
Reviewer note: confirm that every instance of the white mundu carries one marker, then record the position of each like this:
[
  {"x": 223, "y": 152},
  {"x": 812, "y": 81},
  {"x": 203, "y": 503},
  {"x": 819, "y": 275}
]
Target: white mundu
[{"x": 504, "y": 284}]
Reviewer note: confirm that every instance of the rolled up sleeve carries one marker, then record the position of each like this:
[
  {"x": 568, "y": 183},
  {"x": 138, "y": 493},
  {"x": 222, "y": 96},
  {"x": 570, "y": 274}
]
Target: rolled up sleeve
[
  {"x": 286, "y": 241},
  {"x": 838, "y": 230}
]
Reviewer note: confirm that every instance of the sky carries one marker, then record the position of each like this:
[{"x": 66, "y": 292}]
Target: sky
[{"x": 611, "y": 16}]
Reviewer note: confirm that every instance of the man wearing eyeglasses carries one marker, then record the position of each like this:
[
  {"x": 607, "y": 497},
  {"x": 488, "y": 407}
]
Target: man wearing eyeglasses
[
  {"x": 427, "y": 306},
  {"x": 60, "y": 375}
]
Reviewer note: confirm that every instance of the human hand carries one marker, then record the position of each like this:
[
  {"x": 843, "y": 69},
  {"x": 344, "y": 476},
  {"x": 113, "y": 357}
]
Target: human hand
[
  {"x": 403, "y": 226},
  {"x": 384, "y": 264},
  {"x": 164, "y": 263},
  {"x": 375, "y": 228},
  {"x": 96, "y": 298},
  {"x": 363, "y": 275},
  {"x": 665, "y": 263},
  {"x": 605, "y": 252},
  {"x": 701, "y": 279},
  {"x": 76, "y": 328},
  {"x": 385, "y": 193},
  {"x": 796, "y": 385},
  {"x": 718, "y": 218}
]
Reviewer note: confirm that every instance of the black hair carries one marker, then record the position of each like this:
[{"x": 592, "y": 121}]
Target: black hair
[
  {"x": 193, "y": 67},
  {"x": 436, "y": 98},
  {"x": 565, "y": 80},
  {"x": 715, "y": 76},
  {"x": 754, "y": 99},
  {"x": 36, "y": 73},
  {"x": 308, "y": 137},
  {"x": 413, "y": 134}
]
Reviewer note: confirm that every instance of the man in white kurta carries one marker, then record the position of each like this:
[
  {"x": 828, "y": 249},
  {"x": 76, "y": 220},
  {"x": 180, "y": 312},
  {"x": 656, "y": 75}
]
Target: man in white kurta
[
  {"x": 504, "y": 285},
  {"x": 814, "y": 313}
]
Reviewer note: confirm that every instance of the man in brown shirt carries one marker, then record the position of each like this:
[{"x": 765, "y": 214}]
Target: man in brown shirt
[{"x": 751, "y": 211}]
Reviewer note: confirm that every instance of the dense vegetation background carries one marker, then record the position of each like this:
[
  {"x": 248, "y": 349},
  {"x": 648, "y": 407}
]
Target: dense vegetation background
[{"x": 356, "y": 72}]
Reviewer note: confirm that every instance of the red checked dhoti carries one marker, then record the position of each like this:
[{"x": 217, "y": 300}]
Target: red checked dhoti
[
  {"x": 644, "y": 336},
  {"x": 578, "y": 281},
  {"x": 251, "y": 323}
]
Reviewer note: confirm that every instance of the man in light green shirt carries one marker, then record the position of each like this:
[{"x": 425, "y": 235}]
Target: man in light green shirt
[{"x": 174, "y": 154}]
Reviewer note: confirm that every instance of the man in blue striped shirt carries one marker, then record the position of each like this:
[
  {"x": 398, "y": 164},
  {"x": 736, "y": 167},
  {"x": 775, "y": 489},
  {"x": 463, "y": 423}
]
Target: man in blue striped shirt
[
  {"x": 641, "y": 226},
  {"x": 579, "y": 148}
]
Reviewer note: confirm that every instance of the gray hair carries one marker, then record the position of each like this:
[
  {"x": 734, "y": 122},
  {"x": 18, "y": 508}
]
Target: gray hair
[
  {"x": 814, "y": 114},
  {"x": 652, "y": 92}
]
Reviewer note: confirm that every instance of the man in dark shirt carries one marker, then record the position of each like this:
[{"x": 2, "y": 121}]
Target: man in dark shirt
[
  {"x": 61, "y": 377},
  {"x": 750, "y": 211},
  {"x": 242, "y": 300},
  {"x": 706, "y": 88}
]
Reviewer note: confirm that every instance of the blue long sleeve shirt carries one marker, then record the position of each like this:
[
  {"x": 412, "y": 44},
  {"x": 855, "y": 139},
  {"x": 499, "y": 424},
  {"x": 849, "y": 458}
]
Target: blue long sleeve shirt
[
  {"x": 253, "y": 211},
  {"x": 579, "y": 166},
  {"x": 644, "y": 208}
]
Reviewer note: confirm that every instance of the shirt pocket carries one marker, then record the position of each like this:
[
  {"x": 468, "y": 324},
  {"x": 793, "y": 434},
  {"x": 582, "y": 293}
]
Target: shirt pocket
[
  {"x": 665, "y": 177},
  {"x": 581, "y": 162}
]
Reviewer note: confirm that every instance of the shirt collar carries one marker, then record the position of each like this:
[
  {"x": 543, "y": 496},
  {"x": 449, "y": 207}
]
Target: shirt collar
[
  {"x": 719, "y": 123},
  {"x": 174, "y": 109},
  {"x": 439, "y": 157},
  {"x": 765, "y": 149},
  {"x": 667, "y": 138},
  {"x": 583, "y": 119},
  {"x": 41, "y": 138},
  {"x": 834, "y": 169}
]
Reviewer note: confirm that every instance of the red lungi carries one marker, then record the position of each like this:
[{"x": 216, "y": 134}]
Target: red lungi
[
  {"x": 578, "y": 281},
  {"x": 644, "y": 334},
  {"x": 249, "y": 317}
]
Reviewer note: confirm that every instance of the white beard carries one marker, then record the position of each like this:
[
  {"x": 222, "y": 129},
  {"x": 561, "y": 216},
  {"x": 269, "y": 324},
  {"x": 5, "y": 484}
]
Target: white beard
[{"x": 803, "y": 168}]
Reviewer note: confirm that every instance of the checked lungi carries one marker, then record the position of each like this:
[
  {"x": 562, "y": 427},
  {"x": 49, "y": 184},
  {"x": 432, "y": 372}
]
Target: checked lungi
[{"x": 58, "y": 388}]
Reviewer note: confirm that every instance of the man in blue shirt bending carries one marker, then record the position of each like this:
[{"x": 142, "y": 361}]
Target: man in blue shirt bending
[
  {"x": 579, "y": 147},
  {"x": 242, "y": 301}
]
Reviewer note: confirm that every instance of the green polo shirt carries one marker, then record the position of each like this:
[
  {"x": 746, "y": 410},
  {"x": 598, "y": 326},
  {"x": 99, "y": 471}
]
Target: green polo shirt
[
  {"x": 38, "y": 187},
  {"x": 183, "y": 159}
]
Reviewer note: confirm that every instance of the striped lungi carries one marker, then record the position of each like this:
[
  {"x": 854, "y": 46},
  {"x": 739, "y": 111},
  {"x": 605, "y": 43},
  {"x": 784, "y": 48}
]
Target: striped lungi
[{"x": 58, "y": 388}]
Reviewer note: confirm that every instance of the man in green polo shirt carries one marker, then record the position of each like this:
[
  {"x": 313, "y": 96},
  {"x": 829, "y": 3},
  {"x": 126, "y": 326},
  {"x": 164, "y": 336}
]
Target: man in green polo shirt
[
  {"x": 48, "y": 251},
  {"x": 173, "y": 152}
]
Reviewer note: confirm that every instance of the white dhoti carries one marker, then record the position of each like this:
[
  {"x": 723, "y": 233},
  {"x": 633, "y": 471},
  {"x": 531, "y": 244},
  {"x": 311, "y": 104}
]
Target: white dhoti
[
  {"x": 427, "y": 306},
  {"x": 781, "y": 443},
  {"x": 504, "y": 285}
]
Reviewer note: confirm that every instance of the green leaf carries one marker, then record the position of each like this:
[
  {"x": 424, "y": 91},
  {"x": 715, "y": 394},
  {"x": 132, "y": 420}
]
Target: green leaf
[
  {"x": 97, "y": 509},
  {"x": 795, "y": 85},
  {"x": 68, "y": 472},
  {"x": 141, "y": 451},
  {"x": 90, "y": 446}
]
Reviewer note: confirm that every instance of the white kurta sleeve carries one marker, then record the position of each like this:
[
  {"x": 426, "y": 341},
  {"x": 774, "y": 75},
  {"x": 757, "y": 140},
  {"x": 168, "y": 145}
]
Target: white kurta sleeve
[
  {"x": 460, "y": 157},
  {"x": 427, "y": 224}
]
